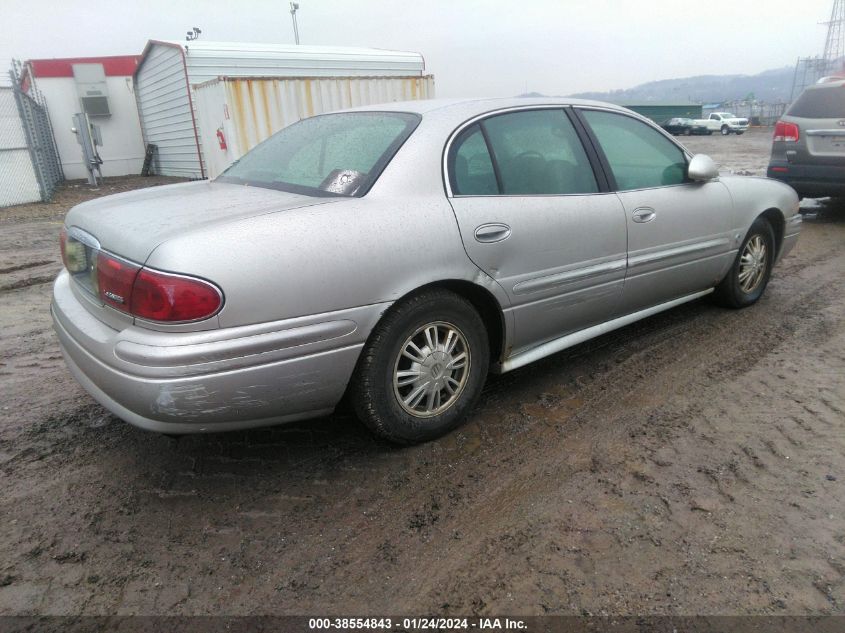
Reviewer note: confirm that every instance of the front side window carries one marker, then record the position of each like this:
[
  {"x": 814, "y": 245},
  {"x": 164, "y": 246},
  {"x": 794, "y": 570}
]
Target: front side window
[
  {"x": 327, "y": 155},
  {"x": 640, "y": 157}
]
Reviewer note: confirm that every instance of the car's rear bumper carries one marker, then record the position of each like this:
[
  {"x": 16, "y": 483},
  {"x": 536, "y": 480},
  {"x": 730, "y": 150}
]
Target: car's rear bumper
[
  {"x": 810, "y": 180},
  {"x": 216, "y": 380}
]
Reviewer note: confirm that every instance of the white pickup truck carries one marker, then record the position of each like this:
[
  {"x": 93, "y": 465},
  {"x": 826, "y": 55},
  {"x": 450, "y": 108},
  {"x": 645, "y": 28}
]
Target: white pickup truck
[{"x": 723, "y": 122}]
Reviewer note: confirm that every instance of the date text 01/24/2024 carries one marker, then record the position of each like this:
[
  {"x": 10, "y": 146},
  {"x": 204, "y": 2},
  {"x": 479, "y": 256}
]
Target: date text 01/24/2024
[{"x": 416, "y": 624}]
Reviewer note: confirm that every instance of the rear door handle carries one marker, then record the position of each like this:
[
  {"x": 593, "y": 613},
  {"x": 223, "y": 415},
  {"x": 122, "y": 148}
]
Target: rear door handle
[
  {"x": 493, "y": 232},
  {"x": 644, "y": 214}
]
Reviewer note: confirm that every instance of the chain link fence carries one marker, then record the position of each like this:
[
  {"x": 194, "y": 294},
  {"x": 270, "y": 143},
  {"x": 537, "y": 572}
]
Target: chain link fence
[
  {"x": 30, "y": 169},
  {"x": 757, "y": 112},
  {"x": 18, "y": 181}
]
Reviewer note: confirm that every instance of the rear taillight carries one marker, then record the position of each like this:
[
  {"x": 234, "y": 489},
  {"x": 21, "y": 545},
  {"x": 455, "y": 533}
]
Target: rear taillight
[
  {"x": 141, "y": 292},
  {"x": 115, "y": 278},
  {"x": 785, "y": 131},
  {"x": 163, "y": 297}
]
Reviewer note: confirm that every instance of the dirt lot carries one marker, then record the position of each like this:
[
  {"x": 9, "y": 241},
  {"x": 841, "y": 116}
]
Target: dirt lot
[{"x": 691, "y": 463}]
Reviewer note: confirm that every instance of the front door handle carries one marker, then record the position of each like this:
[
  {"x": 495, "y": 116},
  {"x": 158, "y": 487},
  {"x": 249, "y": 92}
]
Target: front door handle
[
  {"x": 494, "y": 232},
  {"x": 644, "y": 214}
]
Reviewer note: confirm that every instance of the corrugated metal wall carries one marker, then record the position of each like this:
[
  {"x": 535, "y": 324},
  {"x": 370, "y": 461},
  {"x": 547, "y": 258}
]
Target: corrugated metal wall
[
  {"x": 661, "y": 112},
  {"x": 250, "y": 110},
  {"x": 161, "y": 89},
  {"x": 330, "y": 75},
  {"x": 18, "y": 181}
]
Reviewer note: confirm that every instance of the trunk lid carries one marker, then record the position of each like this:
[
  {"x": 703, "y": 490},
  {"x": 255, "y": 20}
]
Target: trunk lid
[
  {"x": 820, "y": 142},
  {"x": 825, "y": 137},
  {"x": 133, "y": 224}
]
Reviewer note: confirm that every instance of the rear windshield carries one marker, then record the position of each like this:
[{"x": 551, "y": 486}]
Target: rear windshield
[
  {"x": 328, "y": 155},
  {"x": 820, "y": 103}
]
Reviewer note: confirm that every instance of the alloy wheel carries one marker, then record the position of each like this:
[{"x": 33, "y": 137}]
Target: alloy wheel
[
  {"x": 753, "y": 263},
  {"x": 431, "y": 370}
]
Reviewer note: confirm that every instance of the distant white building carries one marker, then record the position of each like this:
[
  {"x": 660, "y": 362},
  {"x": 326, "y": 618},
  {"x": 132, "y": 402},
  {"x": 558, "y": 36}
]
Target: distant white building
[{"x": 102, "y": 87}]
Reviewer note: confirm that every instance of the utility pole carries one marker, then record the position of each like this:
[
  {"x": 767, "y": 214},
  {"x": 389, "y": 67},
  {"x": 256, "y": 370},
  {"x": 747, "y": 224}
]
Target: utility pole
[{"x": 294, "y": 6}]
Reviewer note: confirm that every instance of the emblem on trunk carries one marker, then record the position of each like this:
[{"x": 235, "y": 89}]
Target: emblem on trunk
[
  {"x": 841, "y": 123},
  {"x": 113, "y": 297}
]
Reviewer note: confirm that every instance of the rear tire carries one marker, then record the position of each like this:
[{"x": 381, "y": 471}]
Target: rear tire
[
  {"x": 423, "y": 368},
  {"x": 688, "y": 132},
  {"x": 749, "y": 275}
]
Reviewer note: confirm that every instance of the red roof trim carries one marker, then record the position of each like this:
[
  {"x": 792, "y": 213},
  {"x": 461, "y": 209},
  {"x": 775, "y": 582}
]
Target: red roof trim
[{"x": 115, "y": 66}]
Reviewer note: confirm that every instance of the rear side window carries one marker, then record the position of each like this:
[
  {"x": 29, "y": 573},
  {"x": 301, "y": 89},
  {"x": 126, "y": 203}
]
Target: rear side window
[
  {"x": 539, "y": 153},
  {"x": 534, "y": 152},
  {"x": 640, "y": 157},
  {"x": 472, "y": 168},
  {"x": 820, "y": 103}
]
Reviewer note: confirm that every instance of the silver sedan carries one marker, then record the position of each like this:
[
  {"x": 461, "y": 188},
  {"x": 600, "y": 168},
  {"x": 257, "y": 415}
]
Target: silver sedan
[{"x": 396, "y": 254}]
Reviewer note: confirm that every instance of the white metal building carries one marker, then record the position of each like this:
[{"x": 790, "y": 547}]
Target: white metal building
[
  {"x": 102, "y": 87},
  {"x": 169, "y": 71},
  {"x": 236, "y": 114}
]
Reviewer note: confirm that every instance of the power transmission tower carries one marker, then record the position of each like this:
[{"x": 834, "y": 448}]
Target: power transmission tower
[
  {"x": 834, "y": 45},
  {"x": 808, "y": 70}
]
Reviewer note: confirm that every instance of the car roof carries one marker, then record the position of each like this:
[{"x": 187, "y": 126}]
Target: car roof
[
  {"x": 468, "y": 108},
  {"x": 833, "y": 81}
]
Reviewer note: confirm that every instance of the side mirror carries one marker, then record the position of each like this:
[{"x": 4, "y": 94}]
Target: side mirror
[{"x": 702, "y": 168}]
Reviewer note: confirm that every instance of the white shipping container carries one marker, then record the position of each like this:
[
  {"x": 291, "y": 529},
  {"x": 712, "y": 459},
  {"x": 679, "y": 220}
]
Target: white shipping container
[
  {"x": 237, "y": 113},
  {"x": 168, "y": 70}
]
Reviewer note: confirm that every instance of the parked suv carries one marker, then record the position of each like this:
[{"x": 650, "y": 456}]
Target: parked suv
[{"x": 808, "y": 148}]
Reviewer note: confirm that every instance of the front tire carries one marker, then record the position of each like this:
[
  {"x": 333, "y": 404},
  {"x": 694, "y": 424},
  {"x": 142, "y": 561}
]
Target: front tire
[
  {"x": 749, "y": 275},
  {"x": 725, "y": 130},
  {"x": 423, "y": 368}
]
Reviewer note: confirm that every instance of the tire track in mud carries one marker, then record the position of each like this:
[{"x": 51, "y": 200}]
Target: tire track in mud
[
  {"x": 778, "y": 330},
  {"x": 491, "y": 505}
]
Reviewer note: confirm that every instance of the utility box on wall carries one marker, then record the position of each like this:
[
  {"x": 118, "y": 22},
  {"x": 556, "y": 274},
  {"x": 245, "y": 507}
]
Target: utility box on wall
[{"x": 92, "y": 89}]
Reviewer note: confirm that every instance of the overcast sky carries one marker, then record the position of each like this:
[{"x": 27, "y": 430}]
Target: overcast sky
[{"x": 473, "y": 47}]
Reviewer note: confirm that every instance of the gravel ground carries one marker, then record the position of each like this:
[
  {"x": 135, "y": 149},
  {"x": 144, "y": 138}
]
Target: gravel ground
[
  {"x": 690, "y": 463},
  {"x": 747, "y": 154}
]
